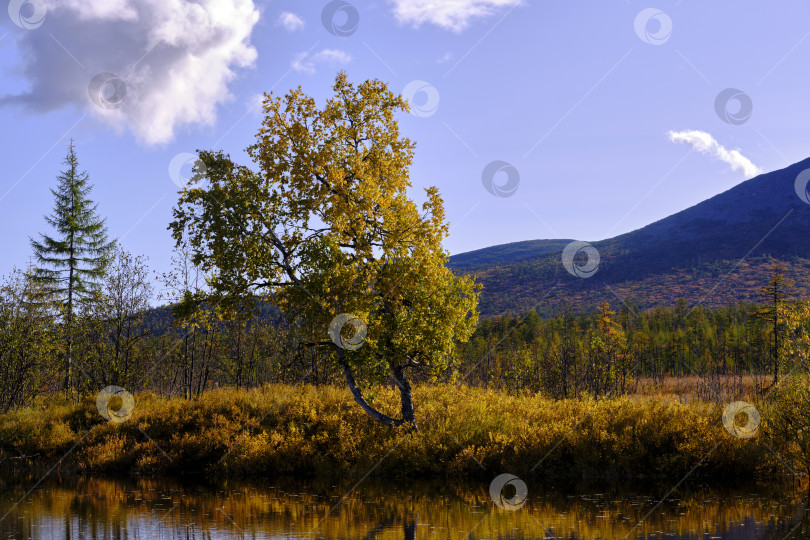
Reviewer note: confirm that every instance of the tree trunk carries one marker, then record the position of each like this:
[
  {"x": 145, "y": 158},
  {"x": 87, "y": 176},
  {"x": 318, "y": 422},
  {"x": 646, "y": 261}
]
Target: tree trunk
[
  {"x": 775, "y": 342},
  {"x": 382, "y": 418},
  {"x": 404, "y": 396},
  {"x": 69, "y": 345}
]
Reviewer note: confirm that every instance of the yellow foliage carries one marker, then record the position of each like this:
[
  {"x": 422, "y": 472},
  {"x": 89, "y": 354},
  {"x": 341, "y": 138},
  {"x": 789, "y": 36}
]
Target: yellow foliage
[{"x": 280, "y": 429}]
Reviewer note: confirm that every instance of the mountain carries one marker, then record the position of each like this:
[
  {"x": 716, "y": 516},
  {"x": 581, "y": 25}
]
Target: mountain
[
  {"x": 714, "y": 253},
  {"x": 507, "y": 253}
]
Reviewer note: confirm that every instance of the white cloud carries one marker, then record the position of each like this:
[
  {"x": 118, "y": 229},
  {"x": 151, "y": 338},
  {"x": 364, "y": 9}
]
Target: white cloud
[
  {"x": 290, "y": 21},
  {"x": 453, "y": 15},
  {"x": 175, "y": 59},
  {"x": 306, "y": 63},
  {"x": 446, "y": 57},
  {"x": 706, "y": 144},
  {"x": 109, "y": 9}
]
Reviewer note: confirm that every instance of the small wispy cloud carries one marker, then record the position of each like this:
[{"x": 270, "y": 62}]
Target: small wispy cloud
[
  {"x": 290, "y": 21},
  {"x": 307, "y": 63},
  {"x": 453, "y": 15},
  {"x": 704, "y": 143},
  {"x": 446, "y": 57}
]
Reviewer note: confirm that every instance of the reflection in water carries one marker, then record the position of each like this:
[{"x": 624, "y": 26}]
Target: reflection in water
[{"x": 96, "y": 508}]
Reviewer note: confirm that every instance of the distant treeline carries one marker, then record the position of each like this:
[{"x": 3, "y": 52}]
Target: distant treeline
[
  {"x": 607, "y": 351},
  {"x": 118, "y": 340}
]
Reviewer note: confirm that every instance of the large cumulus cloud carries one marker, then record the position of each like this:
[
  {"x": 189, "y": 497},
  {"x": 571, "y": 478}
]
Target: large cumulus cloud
[{"x": 167, "y": 62}]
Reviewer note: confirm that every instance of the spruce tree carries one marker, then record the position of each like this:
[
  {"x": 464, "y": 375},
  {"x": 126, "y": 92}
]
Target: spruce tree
[
  {"x": 72, "y": 262},
  {"x": 773, "y": 295}
]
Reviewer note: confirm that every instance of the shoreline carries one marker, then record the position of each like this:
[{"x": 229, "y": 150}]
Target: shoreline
[{"x": 466, "y": 433}]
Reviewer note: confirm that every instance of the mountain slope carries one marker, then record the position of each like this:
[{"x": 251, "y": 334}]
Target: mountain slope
[
  {"x": 506, "y": 253},
  {"x": 714, "y": 253}
]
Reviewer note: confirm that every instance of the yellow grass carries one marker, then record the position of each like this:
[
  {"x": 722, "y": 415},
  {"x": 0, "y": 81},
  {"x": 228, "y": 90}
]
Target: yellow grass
[
  {"x": 280, "y": 429},
  {"x": 691, "y": 388}
]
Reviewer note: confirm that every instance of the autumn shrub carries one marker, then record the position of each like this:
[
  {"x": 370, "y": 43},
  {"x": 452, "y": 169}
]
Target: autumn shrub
[{"x": 466, "y": 432}]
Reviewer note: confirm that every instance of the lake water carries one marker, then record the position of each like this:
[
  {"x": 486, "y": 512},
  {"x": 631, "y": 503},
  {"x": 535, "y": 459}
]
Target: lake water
[{"x": 74, "y": 507}]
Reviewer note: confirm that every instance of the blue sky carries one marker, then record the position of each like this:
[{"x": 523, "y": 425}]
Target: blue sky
[{"x": 606, "y": 113}]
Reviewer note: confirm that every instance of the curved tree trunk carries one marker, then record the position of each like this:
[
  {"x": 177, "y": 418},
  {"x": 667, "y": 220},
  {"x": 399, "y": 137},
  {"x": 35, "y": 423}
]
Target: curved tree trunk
[
  {"x": 358, "y": 397},
  {"x": 404, "y": 393}
]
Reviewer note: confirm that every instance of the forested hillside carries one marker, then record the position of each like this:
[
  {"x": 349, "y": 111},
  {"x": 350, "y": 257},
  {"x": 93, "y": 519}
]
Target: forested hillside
[{"x": 714, "y": 254}]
